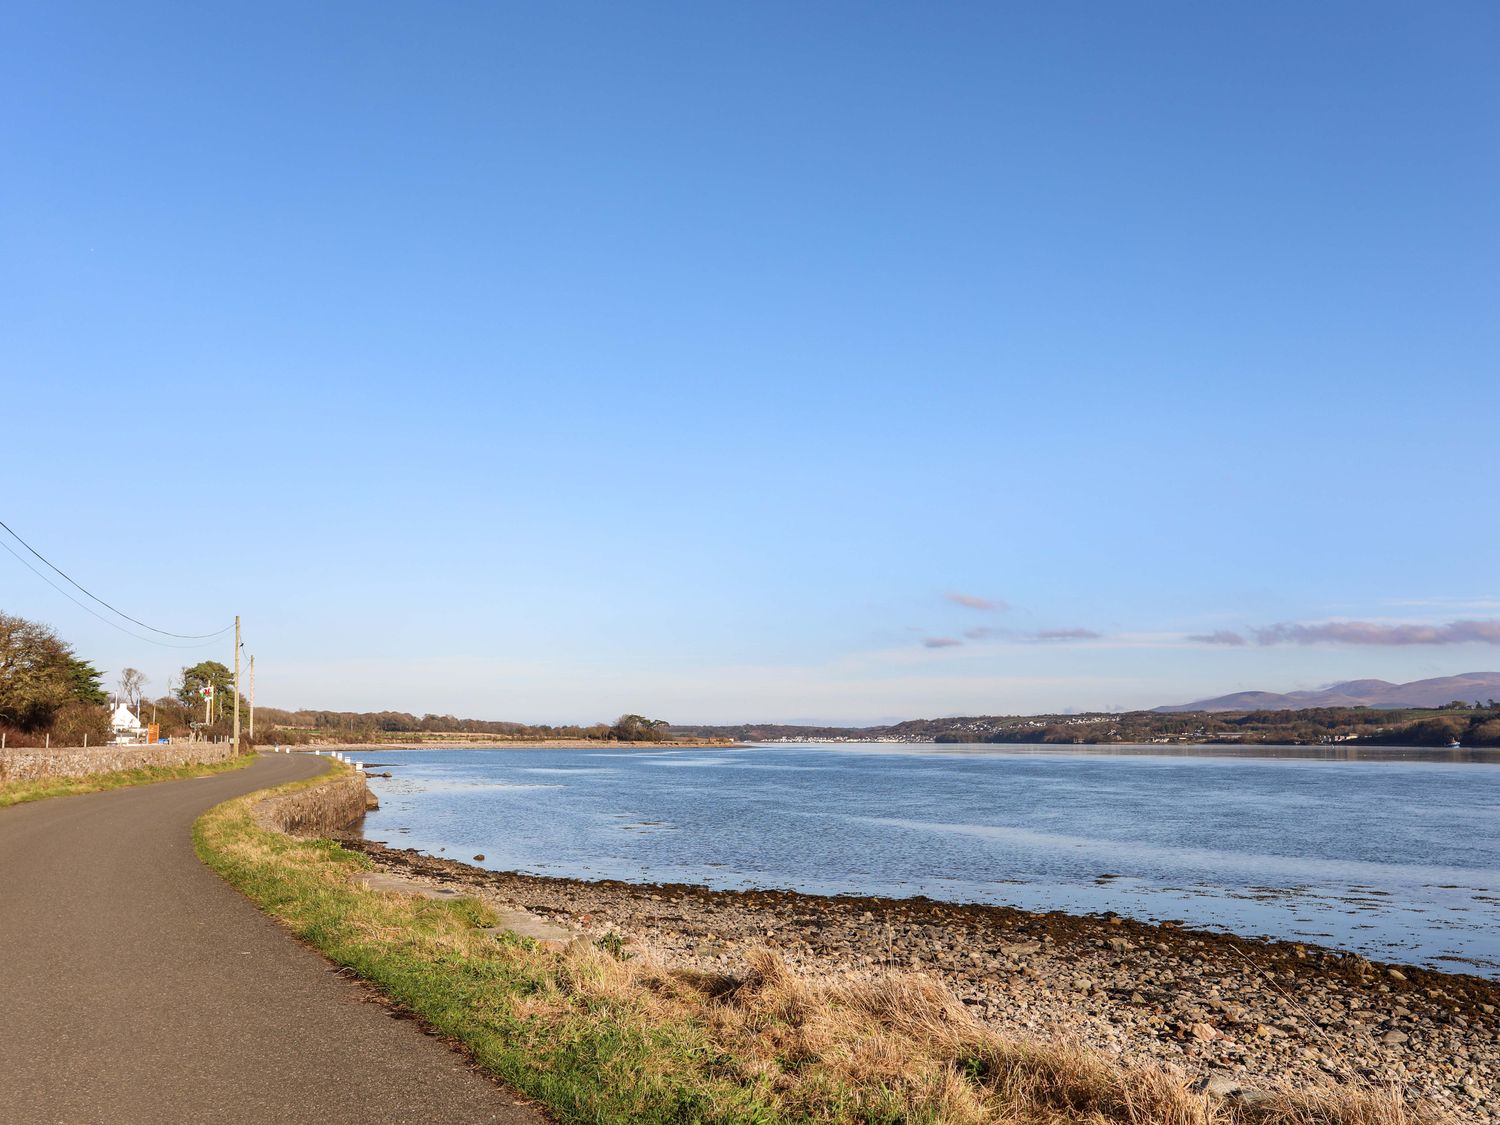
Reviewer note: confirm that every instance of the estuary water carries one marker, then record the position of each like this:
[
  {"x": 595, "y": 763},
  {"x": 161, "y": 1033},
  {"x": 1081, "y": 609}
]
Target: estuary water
[{"x": 1394, "y": 854}]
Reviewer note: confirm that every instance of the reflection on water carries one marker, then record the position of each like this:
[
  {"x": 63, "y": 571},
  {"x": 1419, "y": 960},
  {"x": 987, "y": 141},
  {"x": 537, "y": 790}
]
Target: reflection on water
[{"x": 1393, "y": 852}]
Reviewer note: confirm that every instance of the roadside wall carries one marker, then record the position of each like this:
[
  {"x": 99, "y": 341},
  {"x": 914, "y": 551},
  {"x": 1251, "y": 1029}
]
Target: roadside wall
[
  {"x": 77, "y": 761},
  {"x": 330, "y": 806}
]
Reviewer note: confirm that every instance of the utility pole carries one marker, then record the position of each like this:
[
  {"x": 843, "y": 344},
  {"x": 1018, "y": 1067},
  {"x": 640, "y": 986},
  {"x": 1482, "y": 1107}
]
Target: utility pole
[
  {"x": 236, "y": 682},
  {"x": 252, "y": 695}
]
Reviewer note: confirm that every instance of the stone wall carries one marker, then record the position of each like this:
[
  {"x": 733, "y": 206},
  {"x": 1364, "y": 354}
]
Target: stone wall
[
  {"x": 77, "y": 761},
  {"x": 332, "y": 805}
]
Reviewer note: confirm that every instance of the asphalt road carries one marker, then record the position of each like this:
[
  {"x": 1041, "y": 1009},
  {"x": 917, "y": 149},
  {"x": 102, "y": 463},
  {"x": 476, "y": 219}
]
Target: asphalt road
[{"x": 136, "y": 986}]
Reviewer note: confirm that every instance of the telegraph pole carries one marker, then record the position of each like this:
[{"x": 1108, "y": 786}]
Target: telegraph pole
[{"x": 236, "y": 683}]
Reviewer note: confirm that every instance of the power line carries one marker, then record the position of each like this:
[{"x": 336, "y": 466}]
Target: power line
[
  {"x": 91, "y": 610},
  {"x": 105, "y": 604}
]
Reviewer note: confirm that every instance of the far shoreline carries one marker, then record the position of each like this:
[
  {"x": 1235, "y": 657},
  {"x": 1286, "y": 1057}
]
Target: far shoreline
[
  {"x": 518, "y": 744},
  {"x": 1341, "y": 752}
]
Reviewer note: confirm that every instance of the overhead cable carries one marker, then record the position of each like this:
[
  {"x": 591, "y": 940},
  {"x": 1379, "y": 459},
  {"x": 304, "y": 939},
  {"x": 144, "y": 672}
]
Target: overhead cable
[{"x": 101, "y": 601}]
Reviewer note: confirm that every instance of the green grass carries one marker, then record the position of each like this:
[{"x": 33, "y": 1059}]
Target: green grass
[
  {"x": 590, "y": 1054},
  {"x": 18, "y": 792}
]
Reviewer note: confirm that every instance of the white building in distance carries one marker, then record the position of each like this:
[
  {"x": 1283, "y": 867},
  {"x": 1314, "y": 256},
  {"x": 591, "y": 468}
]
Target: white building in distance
[{"x": 126, "y": 726}]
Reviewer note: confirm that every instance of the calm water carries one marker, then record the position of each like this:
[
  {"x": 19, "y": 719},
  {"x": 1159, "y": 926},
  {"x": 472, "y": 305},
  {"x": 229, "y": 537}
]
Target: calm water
[{"x": 1396, "y": 856}]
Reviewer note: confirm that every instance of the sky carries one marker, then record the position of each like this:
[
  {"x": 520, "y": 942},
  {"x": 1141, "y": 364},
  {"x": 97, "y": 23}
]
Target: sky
[{"x": 835, "y": 362}]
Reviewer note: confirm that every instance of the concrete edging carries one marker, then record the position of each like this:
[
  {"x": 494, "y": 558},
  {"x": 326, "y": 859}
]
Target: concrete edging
[{"x": 332, "y": 803}]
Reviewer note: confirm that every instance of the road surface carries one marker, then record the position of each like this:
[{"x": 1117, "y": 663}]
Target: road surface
[{"x": 136, "y": 986}]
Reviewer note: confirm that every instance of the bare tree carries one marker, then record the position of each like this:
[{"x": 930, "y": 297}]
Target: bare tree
[{"x": 132, "y": 680}]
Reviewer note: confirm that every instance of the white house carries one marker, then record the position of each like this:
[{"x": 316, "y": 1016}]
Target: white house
[{"x": 126, "y": 726}]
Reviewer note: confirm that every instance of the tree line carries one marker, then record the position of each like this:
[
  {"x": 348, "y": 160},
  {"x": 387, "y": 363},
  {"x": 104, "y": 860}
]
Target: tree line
[
  {"x": 1470, "y": 724},
  {"x": 48, "y": 691},
  {"x": 309, "y": 725}
]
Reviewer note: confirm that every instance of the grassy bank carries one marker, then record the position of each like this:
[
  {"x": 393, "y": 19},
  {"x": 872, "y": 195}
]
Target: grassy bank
[
  {"x": 599, "y": 1036},
  {"x": 17, "y": 792}
]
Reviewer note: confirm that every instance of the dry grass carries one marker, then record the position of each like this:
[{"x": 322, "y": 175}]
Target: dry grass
[
  {"x": 600, "y": 1037},
  {"x": 901, "y": 1047}
]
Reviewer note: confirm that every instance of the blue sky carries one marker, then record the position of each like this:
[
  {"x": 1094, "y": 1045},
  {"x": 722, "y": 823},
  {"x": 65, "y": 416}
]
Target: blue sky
[{"x": 551, "y": 361}]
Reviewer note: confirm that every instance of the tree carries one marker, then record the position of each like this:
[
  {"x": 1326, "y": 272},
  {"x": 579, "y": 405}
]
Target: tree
[
  {"x": 132, "y": 680},
  {"x": 208, "y": 673},
  {"x": 36, "y": 674},
  {"x": 638, "y": 728},
  {"x": 88, "y": 682}
]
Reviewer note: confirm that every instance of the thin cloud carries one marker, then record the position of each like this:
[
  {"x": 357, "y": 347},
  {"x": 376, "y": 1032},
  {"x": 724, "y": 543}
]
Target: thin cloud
[
  {"x": 1450, "y": 604},
  {"x": 974, "y": 601},
  {"x": 1376, "y": 633},
  {"x": 1219, "y": 637},
  {"x": 992, "y": 633},
  {"x": 1468, "y": 631}
]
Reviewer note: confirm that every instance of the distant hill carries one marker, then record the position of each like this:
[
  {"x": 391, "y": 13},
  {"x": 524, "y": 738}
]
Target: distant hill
[
  {"x": 1469, "y": 687},
  {"x": 1358, "y": 713}
]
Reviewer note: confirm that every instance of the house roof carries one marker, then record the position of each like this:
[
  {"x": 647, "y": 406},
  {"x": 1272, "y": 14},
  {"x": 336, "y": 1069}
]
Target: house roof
[{"x": 124, "y": 719}]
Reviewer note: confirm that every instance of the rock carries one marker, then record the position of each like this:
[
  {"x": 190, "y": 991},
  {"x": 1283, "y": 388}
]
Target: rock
[
  {"x": 1219, "y": 1084},
  {"x": 1019, "y": 948},
  {"x": 1204, "y": 1032},
  {"x": 1120, "y": 945},
  {"x": 1248, "y": 1096},
  {"x": 1394, "y": 1038},
  {"x": 1395, "y": 974},
  {"x": 479, "y": 858},
  {"x": 1233, "y": 1011}
]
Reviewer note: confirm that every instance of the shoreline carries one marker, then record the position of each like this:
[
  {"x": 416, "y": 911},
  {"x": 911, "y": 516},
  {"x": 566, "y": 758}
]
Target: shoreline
[
  {"x": 519, "y": 744},
  {"x": 1239, "y": 1012}
]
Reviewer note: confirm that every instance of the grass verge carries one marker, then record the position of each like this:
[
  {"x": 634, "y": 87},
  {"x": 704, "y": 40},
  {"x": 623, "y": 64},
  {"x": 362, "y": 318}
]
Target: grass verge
[
  {"x": 598, "y": 1035},
  {"x": 18, "y": 792}
]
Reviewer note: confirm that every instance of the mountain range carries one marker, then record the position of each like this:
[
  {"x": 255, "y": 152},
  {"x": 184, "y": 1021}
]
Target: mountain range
[{"x": 1468, "y": 687}]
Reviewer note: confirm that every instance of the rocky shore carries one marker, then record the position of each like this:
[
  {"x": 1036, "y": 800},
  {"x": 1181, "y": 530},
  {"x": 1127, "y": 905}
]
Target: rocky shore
[{"x": 1234, "y": 1014}]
